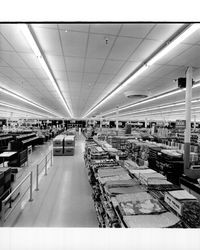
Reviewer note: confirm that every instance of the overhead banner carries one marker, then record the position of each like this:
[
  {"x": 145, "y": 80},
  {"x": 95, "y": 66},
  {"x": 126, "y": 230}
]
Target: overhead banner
[{"x": 180, "y": 124}]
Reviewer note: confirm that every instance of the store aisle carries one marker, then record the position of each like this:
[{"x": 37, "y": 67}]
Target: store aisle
[{"x": 64, "y": 198}]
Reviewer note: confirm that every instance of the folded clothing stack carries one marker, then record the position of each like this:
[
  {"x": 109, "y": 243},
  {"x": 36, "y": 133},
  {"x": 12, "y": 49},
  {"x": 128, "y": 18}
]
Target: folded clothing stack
[
  {"x": 137, "y": 172},
  {"x": 141, "y": 210},
  {"x": 123, "y": 176},
  {"x": 163, "y": 220},
  {"x": 153, "y": 179},
  {"x": 113, "y": 188}
]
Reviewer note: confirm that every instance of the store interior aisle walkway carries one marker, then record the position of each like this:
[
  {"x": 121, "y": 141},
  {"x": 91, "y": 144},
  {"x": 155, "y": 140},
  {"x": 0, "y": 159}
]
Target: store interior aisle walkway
[{"x": 64, "y": 198}]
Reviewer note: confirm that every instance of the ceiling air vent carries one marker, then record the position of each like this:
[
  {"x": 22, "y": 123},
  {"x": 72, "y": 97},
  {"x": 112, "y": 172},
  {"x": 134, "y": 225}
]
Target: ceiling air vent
[{"x": 136, "y": 94}]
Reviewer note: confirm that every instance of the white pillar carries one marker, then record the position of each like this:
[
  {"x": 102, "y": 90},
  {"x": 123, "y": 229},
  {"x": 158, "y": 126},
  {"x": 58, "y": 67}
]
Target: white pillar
[
  {"x": 117, "y": 118},
  {"x": 188, "y": 98},
  {"x": 145, "y": 122},
  {"x": 188, "y": 104},
  {"x": 195, "y": 121},
  {"x": 101, "y": 120}
]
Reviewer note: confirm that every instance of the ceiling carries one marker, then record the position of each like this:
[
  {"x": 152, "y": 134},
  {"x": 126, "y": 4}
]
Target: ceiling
[{"x": 88, "y": 61}]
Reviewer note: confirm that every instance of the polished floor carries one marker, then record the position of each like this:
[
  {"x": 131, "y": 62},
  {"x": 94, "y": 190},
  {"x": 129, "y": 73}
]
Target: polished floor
[{"x": 64, "y": 196}]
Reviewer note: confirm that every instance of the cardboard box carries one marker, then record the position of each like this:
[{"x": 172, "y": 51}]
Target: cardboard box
[
  {"x": 69, "y": 141},
  {"x": 69, "y": 151},
  {"x": 58, "y": 151}
]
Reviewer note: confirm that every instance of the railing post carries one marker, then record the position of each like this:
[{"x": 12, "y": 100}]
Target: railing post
[
  {"x": 37, "y": 176},
  {"x": 3, "y": 214},
  {"x": 45, "y": 165},
  {"x": 31, "y": 186}
]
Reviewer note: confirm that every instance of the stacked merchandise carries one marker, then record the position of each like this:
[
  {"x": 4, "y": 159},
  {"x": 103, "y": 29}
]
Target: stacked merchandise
[
  {"x": 186, "y": 205},
  {"x": 5, "y": 183},
  {"x": 140, "y": 209},
  {"x": 69, "y": 145},
  {"x": 131, "y": 195},
  {"x": 58, "y": 145},
  {"x": 170, "y": 163},
  {"x": 71, "y": 131}
]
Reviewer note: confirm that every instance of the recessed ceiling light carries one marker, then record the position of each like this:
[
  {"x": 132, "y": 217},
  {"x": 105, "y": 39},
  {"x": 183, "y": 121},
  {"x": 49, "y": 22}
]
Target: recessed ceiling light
[{"x": 66, "y": 31}]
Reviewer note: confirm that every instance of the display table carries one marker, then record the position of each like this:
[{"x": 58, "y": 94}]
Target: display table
[{"x": 7, "y": 155}]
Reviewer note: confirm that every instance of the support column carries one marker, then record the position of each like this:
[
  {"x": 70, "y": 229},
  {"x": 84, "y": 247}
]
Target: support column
[
  {"x": 145, "y": 122},
  {"x": 117, "y": 119},
  {"x": 188, "y": 98},
  {"x": 195, "y": 121},
  {"x": 101, "y": 121}
]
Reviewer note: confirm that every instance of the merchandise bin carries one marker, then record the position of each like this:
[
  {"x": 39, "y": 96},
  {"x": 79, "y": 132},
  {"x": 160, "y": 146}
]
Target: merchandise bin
[
  {"x": 57, "y": 142},
  {"x": 69, "y": 151},
  {"x": 69, "y": 141},
  {"x": 58, "y": 151}
]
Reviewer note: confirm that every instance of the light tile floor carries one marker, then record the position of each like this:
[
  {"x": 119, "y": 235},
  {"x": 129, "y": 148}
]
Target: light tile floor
[{"x": 64, "y": 197}]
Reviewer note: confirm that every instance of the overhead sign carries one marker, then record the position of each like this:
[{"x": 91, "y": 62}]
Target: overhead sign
[{"x": 181, "y": 124}]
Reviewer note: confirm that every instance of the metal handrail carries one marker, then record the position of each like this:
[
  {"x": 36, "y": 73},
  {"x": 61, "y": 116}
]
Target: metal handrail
[
  {"x": 3, "y": 215},
  {"x": 30, "y": 186},
  {"x": 44, "y": 167}
]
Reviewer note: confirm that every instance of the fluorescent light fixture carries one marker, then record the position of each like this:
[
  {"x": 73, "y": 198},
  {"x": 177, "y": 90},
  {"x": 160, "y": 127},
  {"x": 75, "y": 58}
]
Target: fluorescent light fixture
[
  {"x": 118, "y": 89},
  {"x": 32, "y": 42},
  {"x": 157, "y": 108},
  {"x": 169, "y": 46},
  {"x": 154, "y": 98},
  {"x": 19, "y": 97},
  {"x": 21, "y": 109}
]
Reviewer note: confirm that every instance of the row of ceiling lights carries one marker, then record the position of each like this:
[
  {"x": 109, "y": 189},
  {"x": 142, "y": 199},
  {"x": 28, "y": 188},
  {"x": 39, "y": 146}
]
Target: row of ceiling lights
[
  {"x": 190, "y": 29},
  {"x": 169, "y": 105},
  {"x": 36, "y": 49}
]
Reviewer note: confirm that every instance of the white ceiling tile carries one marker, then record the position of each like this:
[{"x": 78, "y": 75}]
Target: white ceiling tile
[
  {"x": 93, "y": 65},
  {"x": 126, "y": 70},
  {"x": 104, "y": 78},
  {"x": 25, "y": 73},
  {"x": 97, "y": 47},
  {"x": 45, "y": 25},
  {"x": 74, "y": 43},
  {"x": 60, "y": 75},
  {"x": 162, "y": 32},
  {"x": 188, "y": 57},
  {"x": 164, "y": 70},
  {"x": 56, "y": 62},
  {"x": 14, "y": 35},
  {"x": 49, "y": 41},
  {"x": 74, "y": 27},
  {"x": 146, "y": 48},
  {"x": 193, "y": 39},
  {"x": 74, "y": 64},
  {"x": 31, "y": 60},
  {"x": 135, "y": 30},
  {"x": 112, "y": 66},
  {"x": 40, "y": 73},
  {"x": 107, "y": 29},
  {"x": 9, "y": 72},
  {"x": 123, "y": 48},
  {"x": 4, "y": 45},
  {"x": 89, "y": 78},
  {"x": 173, "y": 54},
  {"x": 2, "y": 63},
  {"x": 75, "y": 76},
  {"x": 12, "y": 58}
]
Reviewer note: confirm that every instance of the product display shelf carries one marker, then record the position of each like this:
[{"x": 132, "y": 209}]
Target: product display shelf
[{"x": 103, "y": 202}]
